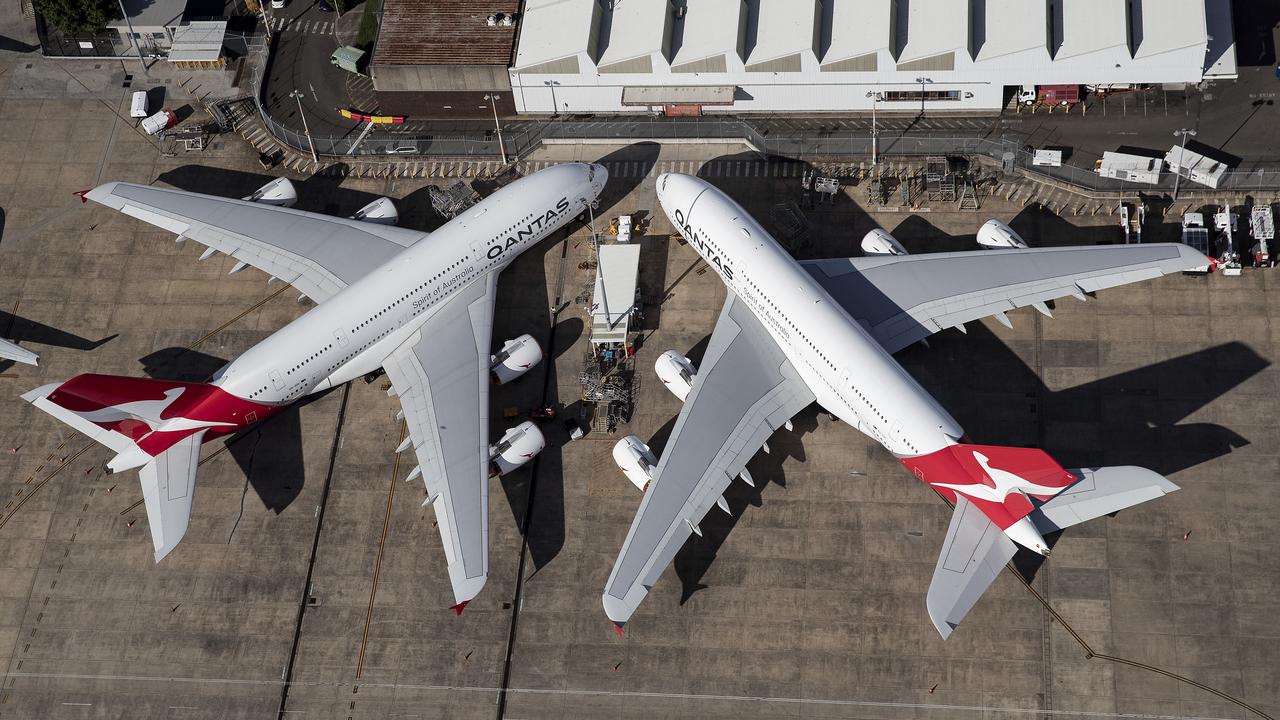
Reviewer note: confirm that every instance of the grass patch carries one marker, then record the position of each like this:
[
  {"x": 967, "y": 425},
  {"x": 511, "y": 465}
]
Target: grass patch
[{"x": 368, "y": 25}]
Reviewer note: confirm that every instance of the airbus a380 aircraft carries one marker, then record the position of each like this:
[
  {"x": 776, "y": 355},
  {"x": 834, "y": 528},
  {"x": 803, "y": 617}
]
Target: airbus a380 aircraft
[
  {"x": 792, "y": 333},
  {"x": 419, "y": 306}
]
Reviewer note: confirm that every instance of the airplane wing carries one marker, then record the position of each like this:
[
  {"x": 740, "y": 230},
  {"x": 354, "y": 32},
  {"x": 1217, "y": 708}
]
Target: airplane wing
[
  {"x": 9, "y": 351},
  {"x": 745, "y": 389},
  {"x": 441, "y": 374},
  {"x": 973, "y": 554},
  {"x": 903, "y": 299},
  {"x": 318, "y": 254}
]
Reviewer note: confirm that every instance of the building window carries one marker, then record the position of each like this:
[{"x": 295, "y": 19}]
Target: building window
[{"x": 916, "y": 95}]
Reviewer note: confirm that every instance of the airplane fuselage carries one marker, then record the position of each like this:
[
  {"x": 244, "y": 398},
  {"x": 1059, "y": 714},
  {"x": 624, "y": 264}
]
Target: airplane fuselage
[
  {"x": 848, "y": 371},
  {"x": 351, "y": 334}
]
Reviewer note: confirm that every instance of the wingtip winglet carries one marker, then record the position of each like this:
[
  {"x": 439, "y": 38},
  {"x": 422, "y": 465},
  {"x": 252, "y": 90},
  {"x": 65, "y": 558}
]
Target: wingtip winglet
[
  {"x": 457, "y": 609},
  {"x": 618, "y": 627}
]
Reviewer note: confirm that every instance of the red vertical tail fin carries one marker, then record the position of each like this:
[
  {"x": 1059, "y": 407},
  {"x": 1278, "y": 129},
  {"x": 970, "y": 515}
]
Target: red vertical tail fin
[
  {"x": 140, "y": 418},
  {"x": 998, "y": 480}
]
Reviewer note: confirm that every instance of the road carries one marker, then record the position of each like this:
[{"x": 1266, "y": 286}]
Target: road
[
  {"x": 1234, "y": 117},
  {"x": 304, "y": 39}
]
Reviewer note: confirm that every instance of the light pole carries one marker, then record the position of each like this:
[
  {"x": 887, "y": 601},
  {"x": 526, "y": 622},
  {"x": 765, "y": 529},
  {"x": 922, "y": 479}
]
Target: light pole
[
  {"x": 875, "y": 133},
  {"x": 1184, "y": 132},
  {"x": 297, "y": 95},
  {"x": 922, "y": 81},
  {"x": 502, "y": 149},
  {"x": 555, "y": 109},
  {"x": 266, "y": 16},
  {"x": 133, "y": 36}
]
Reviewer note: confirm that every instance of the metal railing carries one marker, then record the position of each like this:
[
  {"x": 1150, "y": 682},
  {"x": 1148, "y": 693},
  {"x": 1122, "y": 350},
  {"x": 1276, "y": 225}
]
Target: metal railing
[{"x": 526, "y": 136}]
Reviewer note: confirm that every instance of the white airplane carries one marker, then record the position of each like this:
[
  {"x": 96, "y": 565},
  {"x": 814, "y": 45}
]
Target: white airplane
[
  {"x": 10, "y": 351},
  {"x": 418, "y": 306},
  {"x": 792, "y": 333}
]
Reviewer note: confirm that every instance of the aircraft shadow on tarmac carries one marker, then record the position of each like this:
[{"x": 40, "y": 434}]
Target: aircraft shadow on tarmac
[
  {"x": 21, "y": 330},
  {"x": 319, "y": 193},
  {"x": 278, "y": 473},
  {"x": 1132, "y": 418},
  {"x": 1141, "y": 425},
  {"x": 536, "y": 495}
]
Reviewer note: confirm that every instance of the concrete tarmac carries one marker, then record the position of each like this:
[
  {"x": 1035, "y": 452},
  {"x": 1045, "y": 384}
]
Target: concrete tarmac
[{"x": 807, "y": 602}]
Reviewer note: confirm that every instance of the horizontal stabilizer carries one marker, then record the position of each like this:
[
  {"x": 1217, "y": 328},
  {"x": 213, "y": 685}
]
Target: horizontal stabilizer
[
  {"x": 973, "y": 554},
  {"x": 9, "y": 351},
  {"x": 1100, "y": 491},
  {"x": 168, "y": 484},
  {"x": 976, "y": 550}
]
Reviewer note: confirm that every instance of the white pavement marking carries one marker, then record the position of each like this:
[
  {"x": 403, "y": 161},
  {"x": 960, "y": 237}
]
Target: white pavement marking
[{"x": 943, "y": 710}]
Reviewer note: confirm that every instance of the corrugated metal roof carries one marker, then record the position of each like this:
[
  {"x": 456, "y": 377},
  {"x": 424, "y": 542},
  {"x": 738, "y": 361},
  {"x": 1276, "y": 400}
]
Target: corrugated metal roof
[
  {"x": 200, "y": 41},
  {"x": 555, "y": 29},
  {"x": 444, "y": 32}
]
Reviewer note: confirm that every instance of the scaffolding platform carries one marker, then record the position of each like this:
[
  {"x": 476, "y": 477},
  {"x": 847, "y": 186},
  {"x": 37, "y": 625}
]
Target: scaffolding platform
[
  {"x": 939, "y": 180},
  {"x": 452, "y": 200}
]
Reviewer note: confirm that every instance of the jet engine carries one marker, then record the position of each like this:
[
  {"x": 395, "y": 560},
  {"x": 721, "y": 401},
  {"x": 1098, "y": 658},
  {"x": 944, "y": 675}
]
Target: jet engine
[
  {"x": 636, "y": 461},
  {"x": 514, "y": 359},
  {"x": 879, "y": 242},
  {"x": 517, "y": 447},
  {"x": 995, "y": 235},
  {"x": 277, "y": 192},
  {"x": 676, "y": 372},
  {"x": 381, "y": 211}
]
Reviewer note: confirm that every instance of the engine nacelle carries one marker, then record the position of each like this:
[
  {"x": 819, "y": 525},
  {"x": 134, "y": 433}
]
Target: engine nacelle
[
  {"x": 514, "y": 359},
  {"x": 381, "y": 211},
  {"x": 518, "y": 446},
  {"x": 277, "y": 192},
  {"x": 636, "y": 461},
  {"x": 879, "y": 242},
  {"x": 676, "y": 372},
  {"x": 995, "y": 235}
]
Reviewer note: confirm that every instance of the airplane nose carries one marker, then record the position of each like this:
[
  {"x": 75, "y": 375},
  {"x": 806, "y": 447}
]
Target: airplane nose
[{"x": 599, "y": 175}]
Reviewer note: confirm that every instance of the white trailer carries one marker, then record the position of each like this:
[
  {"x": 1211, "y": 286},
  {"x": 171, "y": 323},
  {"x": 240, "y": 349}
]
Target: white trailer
[
  {"x": 1195, "y": 167},
  {"x": 1131, "y": 168}
]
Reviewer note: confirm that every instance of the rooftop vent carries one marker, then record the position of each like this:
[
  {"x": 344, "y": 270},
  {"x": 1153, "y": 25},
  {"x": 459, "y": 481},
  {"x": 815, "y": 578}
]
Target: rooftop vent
[
  {"x": 506, "y": 20},
  {"x": 492, "y": 21}
]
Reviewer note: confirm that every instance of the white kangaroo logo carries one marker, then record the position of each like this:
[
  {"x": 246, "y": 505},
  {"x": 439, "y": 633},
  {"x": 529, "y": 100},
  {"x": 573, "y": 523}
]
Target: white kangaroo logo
[
  {"x": 1006, "y": 482},
  {"x": 149, "y": 412}
]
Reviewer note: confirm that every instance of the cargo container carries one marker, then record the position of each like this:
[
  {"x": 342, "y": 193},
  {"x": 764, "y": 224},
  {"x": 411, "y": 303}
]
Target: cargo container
[{"x": 1132, "y": 168}]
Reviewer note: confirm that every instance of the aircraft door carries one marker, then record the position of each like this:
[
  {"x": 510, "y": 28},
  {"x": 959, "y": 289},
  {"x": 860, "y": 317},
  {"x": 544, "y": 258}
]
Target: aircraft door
[
  {"x": 276, "y": 380},
  {"x": 341, "y": 336}
]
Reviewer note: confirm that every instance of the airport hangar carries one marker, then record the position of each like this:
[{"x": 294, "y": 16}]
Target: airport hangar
[{"x": 807, "y": 56}]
